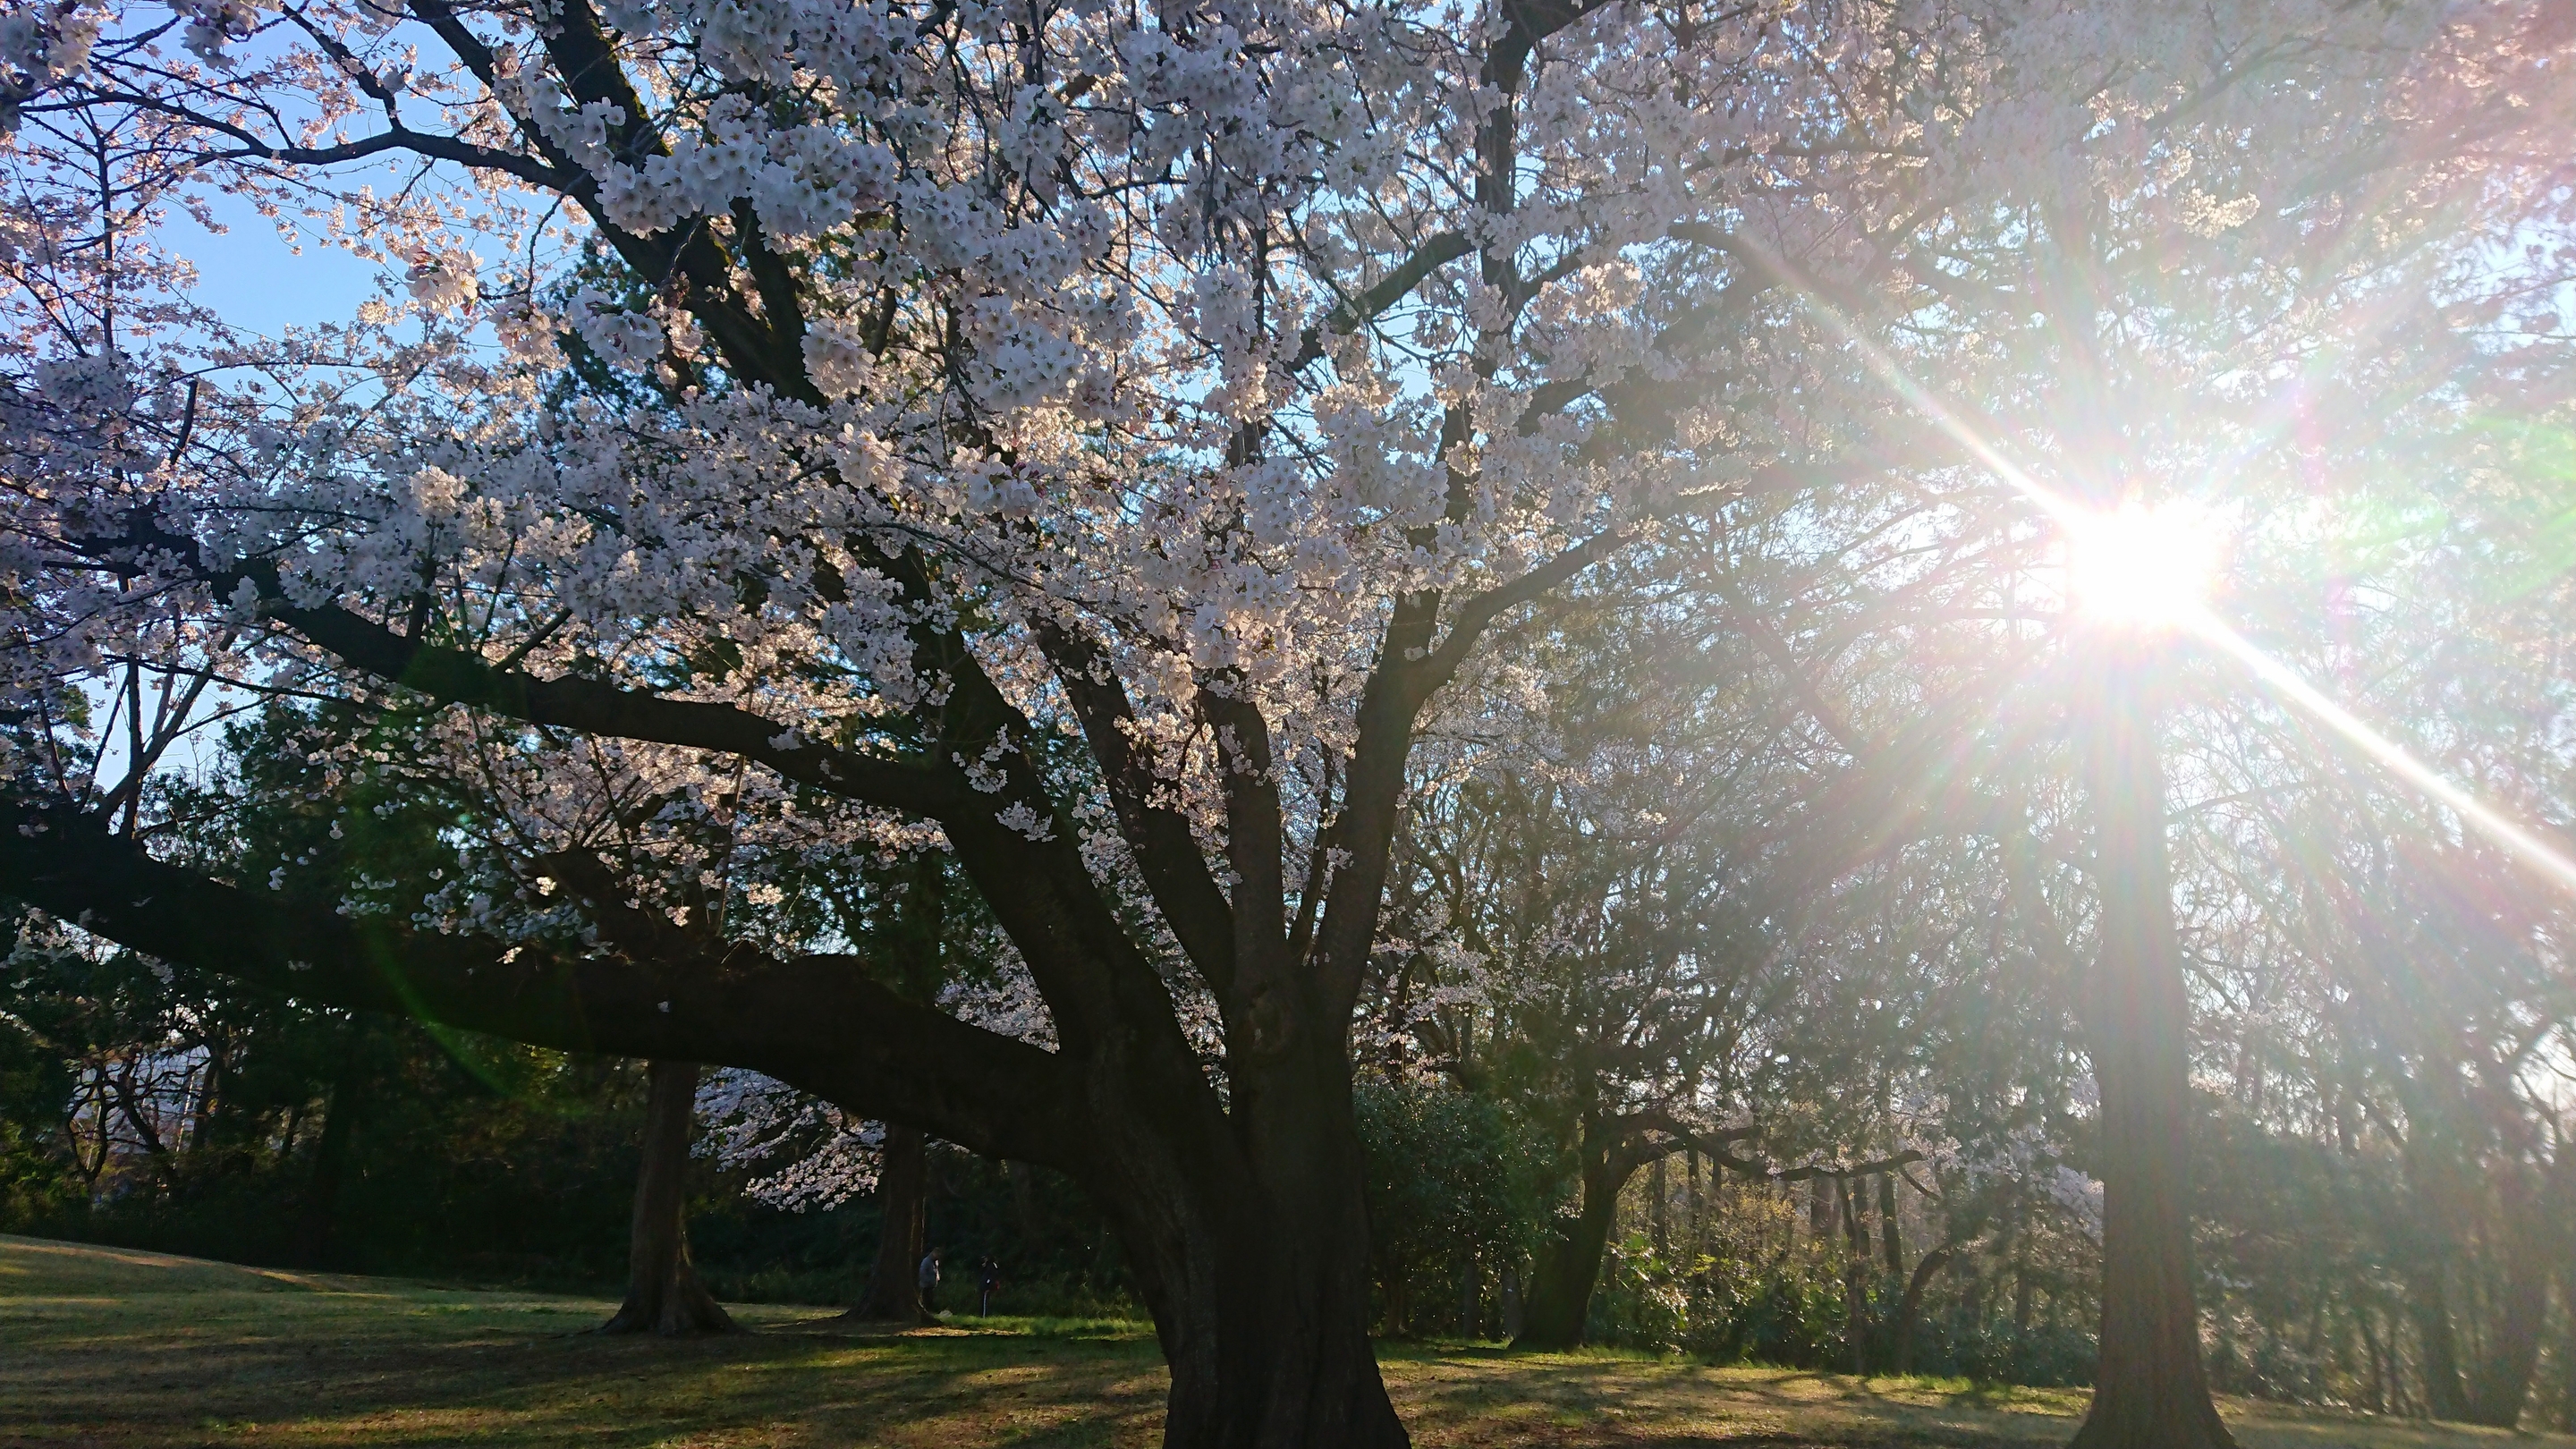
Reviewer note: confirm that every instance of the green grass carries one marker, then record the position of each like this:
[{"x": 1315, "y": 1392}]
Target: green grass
[{"x": 107, "y": 1347}]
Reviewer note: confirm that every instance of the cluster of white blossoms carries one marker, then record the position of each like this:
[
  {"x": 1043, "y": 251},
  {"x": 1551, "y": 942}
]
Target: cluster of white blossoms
[
  {"x": 1203, "y": 336},
  {"x": 798, "y": 1153},
  {"x": 445, "y": 282},
  {"x": 41, "y": 43}
]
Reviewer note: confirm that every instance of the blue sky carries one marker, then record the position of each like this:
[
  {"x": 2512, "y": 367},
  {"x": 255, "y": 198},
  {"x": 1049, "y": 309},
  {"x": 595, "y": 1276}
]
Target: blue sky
[{"x": 249, "y": 277}]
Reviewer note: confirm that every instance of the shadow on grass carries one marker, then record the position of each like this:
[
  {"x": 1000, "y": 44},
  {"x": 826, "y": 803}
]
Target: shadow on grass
[{"x": 150, "y": 1352}]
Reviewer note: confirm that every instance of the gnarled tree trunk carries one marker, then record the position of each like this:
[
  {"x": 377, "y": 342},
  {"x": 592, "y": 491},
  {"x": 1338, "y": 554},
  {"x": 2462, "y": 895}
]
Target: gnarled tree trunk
[
  {"x": 1568, "y": 1266},
  {"x": 2150, "y": 1391},
  {"x": 1254, "y": 1263},
  {"x": 663, "y": 1292},
  {"x": 1909, "y": 1308},
  {"x": 1965, "y": 1223}
]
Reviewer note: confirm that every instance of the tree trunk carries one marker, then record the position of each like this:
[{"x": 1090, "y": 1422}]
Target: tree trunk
[
  {"x": 211, "y": 1099},
  {"x": 1851, "y": 1202},
  {"x": 2567, "y": 1349},
  {"x": 893, "y": 1292},
  {"x": 1890, "y": 1237},
  {"x": 1910, "y": 1307},
  {"x": 321, "y": 1206},
  {"x": 1566, "y": 1270},
  {"x": 1657, "y": 1218},
  {"x": 1691, "y": 1211},
  {"x": 2428, "y": 1302},
  {"x": 663, "y": 1293},
  {"x": 2378, "y": 1400},
  {"x": 2021, "y": 1310},
  {"x": 2151, "y": 1391},
  {"x": 2533, "y": 1233},
  {"x": 144, "y": 1125},
  {"x": 1246, "y": 1234},
  {"x": 2503, "y": 1378},
  {"x": 1559, "y": 1302}
]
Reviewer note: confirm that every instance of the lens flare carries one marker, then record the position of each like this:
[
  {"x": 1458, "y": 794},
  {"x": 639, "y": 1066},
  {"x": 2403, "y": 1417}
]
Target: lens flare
[{"x": 2130, "y": 578}]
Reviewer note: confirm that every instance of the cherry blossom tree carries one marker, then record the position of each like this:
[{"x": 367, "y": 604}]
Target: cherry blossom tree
[{"x": 1088, "y": 439}]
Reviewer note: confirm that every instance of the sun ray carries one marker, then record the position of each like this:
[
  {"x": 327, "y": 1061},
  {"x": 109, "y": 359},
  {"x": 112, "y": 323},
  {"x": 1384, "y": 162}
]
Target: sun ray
[
  {"x": 2180, "y": 609},
  {"x": 2522, "y": 843}
]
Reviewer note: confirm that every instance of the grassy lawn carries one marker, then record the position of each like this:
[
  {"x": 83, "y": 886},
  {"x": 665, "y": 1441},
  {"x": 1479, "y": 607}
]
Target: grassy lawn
[{"x": 101, "y": 1346}]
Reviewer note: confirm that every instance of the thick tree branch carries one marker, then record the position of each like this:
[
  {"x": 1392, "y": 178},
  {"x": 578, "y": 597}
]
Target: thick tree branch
[
  {"x": 1256, "y": 840},
  {"x": 454, "y": 676},
  {"x": 1095, "y": 980},
  {"x": 1167, "y": 852},
  {"x": 1357, "y": 312},
  {"x": 1658, "y": 1133},
  {"x": 1363, "y": 833},
  {"x": 817, "y": 1022},
  {"x": 589, "y": 67}
]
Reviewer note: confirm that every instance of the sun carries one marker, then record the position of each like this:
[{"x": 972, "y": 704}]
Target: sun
[{"x": 2143, "y": 568}]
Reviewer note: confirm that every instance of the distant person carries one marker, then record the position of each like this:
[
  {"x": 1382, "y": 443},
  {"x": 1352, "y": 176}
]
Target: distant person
[
  {"x": 988, "y": 1276},
  {"x": 930, "y": 1282}
]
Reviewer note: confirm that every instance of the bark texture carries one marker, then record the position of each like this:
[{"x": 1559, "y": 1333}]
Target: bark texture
[
  {"x": 2151, "y": 1390},
  {"x": 663, "y": 1292},
  {"x": 1261, "y": 1296}
]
